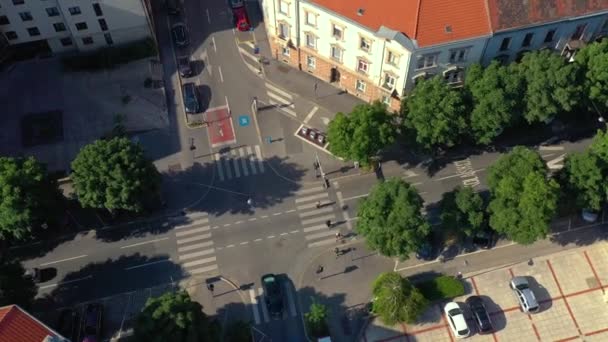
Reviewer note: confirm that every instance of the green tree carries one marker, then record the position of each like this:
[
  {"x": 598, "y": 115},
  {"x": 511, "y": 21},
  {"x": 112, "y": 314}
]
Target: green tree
[
  {"x": 29, "y": 198},
  {"x": 551, "y": 85},
  {"x": 496, "y": 97},
  {"x": 174, "y": 317},
  {"x": 396, "y": 300},
  {"x": 316, "y": 320},
  {"x": 390, "y": 219},
  {"x": 360, "y": 135},
  {"x": 15, "y": 286},
  {"x": 114, "y": 174},
  {"x": 523, "y": 200},
  {"x": 593, "y": 61},
  {"x": 584, "y": 180},
  {"x": 462, "y": 210},
  {"x": 436, "y": 112}
]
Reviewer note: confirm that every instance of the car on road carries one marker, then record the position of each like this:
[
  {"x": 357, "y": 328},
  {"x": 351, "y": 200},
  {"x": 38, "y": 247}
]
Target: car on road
[
  {"x": 480, "y": 314},
  {"x": 91, "y": 322},
  {"x": 173, "y": 7},
  {"x": 273, "y": 295},
  {"x": 67, "y": 324},
  {"x": 184, "y": 65},
  {"x": 456, "y": 320},
  {"x": 241, "y": 19},
  {"x": 525, "y": 296},
  {"x": 180, "y": 34},
  {"x": 192, "y": 102}
]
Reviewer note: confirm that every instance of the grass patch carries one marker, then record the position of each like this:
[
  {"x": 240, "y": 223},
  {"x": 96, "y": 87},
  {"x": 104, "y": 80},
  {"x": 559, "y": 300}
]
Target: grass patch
[
  {"x": 110, "y": 57},
  {"x": 442, "y": 287}
]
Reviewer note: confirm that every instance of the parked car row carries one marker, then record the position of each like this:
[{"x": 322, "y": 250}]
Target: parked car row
[{"x": 85, "y": 327}]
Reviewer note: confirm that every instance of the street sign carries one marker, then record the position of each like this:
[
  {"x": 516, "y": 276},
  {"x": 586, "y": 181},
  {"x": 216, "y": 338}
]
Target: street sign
[{"x": 244, "y": 120}]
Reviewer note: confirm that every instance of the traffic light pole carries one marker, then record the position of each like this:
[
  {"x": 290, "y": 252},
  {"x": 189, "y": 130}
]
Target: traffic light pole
[{"x": 318, "y": 165}]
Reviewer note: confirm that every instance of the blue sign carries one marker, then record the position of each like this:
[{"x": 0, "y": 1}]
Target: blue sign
[{"x": 244, "y": 120}]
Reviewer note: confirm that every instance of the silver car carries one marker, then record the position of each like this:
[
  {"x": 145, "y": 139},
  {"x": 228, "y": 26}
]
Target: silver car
[{"x": 525, "y": 295}]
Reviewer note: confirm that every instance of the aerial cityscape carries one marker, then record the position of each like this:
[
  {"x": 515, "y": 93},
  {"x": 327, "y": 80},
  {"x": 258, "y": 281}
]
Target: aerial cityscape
[{"x": 303, "y": 170}]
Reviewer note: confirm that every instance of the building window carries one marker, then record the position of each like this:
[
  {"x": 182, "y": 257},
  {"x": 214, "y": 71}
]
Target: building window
[
  {"x": 284, "y": 7},
  {"x": 67, "y": 41},
  {"x": 26, "y": 16},
  {"x": 11, "y": 35},
  {"x": 108, "y": 38},
  {"x": 362, "y": 66},
  {"x": 365, "y": 44},
  {"x": 52, "y": 11},
  {"x": 4, "y": 20},
  {"x": 103, "y": 25},
  {"x": 74, "y": 10},
  {"x": 285, "y": 51},
  {"x": 389, "y": 81},
  {"x": 578, "y": 33},
  {"x": 33, "y": 31},
  {"x": 337, "y": 32},
  {"x": 87, "y": 40},
  {"x": 59, "y": 27},
  {"x": 81, "y": 26},
  {"x": 97, "y": 9},
  {"x": 392, "y": 58},
  {"x": 336, "y": 53},
  {"x": 386, "y": 100},
  {"x": 505, "y": 44},
  {"x": 549, "y": 36},
  {"x": 18, "y": 2},
  {"x": 454, "y": 76},
  {"x": 311, "y": 19},
  {"x": 311, "y": 41},
  {"x": 427, "y": 61},
  {"x": 311, "y": 62},
  {"x": 360, "y": 85},
  {"x": 283, "y": 30},
  {"x": 458, "y": 55},
  {"x": 527, "y": 40}
]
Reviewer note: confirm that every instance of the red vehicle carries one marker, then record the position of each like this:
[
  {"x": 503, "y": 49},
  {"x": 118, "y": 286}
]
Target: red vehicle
[{"x": 241, "y": 20}]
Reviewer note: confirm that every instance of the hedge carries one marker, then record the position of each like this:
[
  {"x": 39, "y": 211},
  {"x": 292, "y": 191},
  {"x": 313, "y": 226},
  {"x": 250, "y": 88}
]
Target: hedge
[
  {"x": 442, "y": 287},
  {"x": 110, "y": 57}
]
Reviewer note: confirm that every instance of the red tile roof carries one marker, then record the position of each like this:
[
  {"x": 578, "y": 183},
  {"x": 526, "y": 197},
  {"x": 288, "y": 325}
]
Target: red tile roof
[
  {"x": 422, "y": 20},
  {"x": 506, "y": 14},
  {"x": 18, "y": 326}
]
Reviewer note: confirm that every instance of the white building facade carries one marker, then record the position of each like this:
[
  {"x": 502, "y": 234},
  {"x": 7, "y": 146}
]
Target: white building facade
[{"x": 74, "y": 25}]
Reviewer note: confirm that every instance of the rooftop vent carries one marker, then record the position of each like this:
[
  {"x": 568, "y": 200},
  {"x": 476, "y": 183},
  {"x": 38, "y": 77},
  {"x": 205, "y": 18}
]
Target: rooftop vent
[
  {"x": 360, "y": 11},
  {"x": 448, "y": 29}
]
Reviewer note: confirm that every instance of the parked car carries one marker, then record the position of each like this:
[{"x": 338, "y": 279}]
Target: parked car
[
  {"x": 67, "y": 324},
  {"x": 34, "y": 274},
  {"x": 236, "y": 3},
  {"x": 174, "y": 7},
  {"x": 425, "y": 252},
  {"x": 589, "y": 215},
  {"x": 184, "y": 66},
  {"x": 525, "y": 295},
  {"x": 241, "y": 20},
  {"x": 192, "y": 103},
  {"x": 480, "y": 314},
  {"x": 91, "y": 322},
  {"x": 484, "y": 239},
  {"x": 273, "y": 295},
  {"x": 180, "y": 34},
  {"x": 456, "y": 320}
]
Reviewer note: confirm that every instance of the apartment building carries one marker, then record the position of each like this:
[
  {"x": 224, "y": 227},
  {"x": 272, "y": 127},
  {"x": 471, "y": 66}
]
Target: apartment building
[{"x": 73, "y": 25}]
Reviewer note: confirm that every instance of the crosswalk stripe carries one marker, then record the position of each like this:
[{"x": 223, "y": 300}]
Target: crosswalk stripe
[
  {"x": 196, "y": 214},
  {"x": 218, "y": 165},
  {"x": 264, "y": 308},
  {"x": 196, "y": 254},
  {"x": 321, "y": 243},
  {"x": 308, "y": 205},
  {"x": 251, "y": 160},
  {"x": 226, "y": 163},
  {"x": 318, "y": 219},
  {"x": 290, "y": 300},
  {"x": 277, "y": 90},
  {"x": 199, "y": 262},
  {"x": 315, "y": 212},
  {"x": 202, "y": 269},
  {"x": 195, "y": 246},
  {"x": 194, "y": 238},
  {"x": 280, "y": 100},
  {"x": 254, "y": 306},
  {"x": 200, "y": 223},
  {"x": 258, "y": 154},
  {"x": 309, "y": 190},
  {"x": 192, "y": 231},
  {"x": 310, "y": 198},
  {"x": 285, "y": 109},
  {"x": 313, "y": 228},
  {"x": 235, "y": 164},
  {"x": 320, "y": 235},
  {"x": 243, "y": 161}
]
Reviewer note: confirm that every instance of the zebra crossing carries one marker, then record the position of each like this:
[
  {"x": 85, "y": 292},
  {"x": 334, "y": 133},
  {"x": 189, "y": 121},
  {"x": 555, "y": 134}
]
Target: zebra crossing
[
  {"x": 239, "y": 162},
  {"x": 194, "y": 245},
  {"x": 260, "y": 311},
  {"x": 281, "y": 99},
  {"x": 313, "y": 219}
]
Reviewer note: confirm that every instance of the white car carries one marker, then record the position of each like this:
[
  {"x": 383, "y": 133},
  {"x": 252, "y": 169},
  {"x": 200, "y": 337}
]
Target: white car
[{"x": 456, "y": 319}]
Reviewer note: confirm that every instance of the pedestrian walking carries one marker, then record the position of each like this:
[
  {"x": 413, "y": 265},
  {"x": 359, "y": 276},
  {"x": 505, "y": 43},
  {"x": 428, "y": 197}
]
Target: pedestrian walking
[
  {"x": 318, "y": 204},
  {"x": 338, "y": 236},
  {"x": 337, "y": 251},
  {"x": 328, "y": 223},
  {"x": 210, "y": 287},
  {"x": 319, "y": 269}
]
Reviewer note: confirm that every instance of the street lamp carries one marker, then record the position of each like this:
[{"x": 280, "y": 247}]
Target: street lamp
[{"x": 600, "y": 116}]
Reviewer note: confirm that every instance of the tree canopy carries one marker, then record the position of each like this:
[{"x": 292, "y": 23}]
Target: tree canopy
[
  {"x": 361, "y": 134},
  {"x": 593, "y": 60},
  {"x": 15, "y": 286},
  {"x": 174, "y": 317},
  {"x": 396, "y": 300},
  {"x": 584, "y": 180},
  {"x": 316, "y": 320},
  {"x": 114, "y": 174},
  {"x": 390, "y": 219},
  {"x": 462, "y": 210}
]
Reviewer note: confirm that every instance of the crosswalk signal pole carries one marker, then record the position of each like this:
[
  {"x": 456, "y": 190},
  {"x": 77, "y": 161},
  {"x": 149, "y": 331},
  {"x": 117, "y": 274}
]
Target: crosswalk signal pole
[{"x": 318, "y": 163}]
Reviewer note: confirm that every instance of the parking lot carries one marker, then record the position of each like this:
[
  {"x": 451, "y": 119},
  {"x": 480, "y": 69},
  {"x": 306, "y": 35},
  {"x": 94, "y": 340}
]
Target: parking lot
[{"x": 569, "y": 286}]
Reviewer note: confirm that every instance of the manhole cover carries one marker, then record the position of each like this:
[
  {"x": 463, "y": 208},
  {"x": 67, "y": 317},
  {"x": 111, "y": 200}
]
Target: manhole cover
[{"x": 592, "y": 283}]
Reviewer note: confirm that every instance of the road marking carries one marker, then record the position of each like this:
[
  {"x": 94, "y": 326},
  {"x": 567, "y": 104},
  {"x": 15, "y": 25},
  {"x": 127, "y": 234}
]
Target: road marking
[
  {"x": 257, "y": 240},
  {"x": 143, "y": 243},
  {"x": 290, "y": 299},
  {"x": 321, "y": 243},
  {"x": 313, "y": 228},
  {"x": 313, "y": 197},
  {"x": 218, "y": 164},
  {"x": 280, "y": 100},
  {"x": 213, "y": 40},
  {"x": 196, "y": 254},
  {"x": 250, "y": 43},
  {"x": 208, "y": 16},
  {"x": 199, "y": 262},
  {"x": 65, "y": 282},
  {"x": 310, "y": 115},
  {"x": 354, "y": 197},
  {"x": 264, "y": 309},
  {"x": 280, "y": 91},
  {"x": 270, "y": 237},
  {"x": 238, "y": 222},
  {"x": 227, "y": 165},
  {"x": 229, "y": 246},
  {"x": 146, "y": 264},
  {"x": 219, "y": 68},
  {"x": 283, "y": 234},
  {"x": 248, "y": 54},
  {"x": 194, "y": 238},
  {"x": 251, "y": 160},
  {"x": 258, "y": 154},
  {"x": 264, "y": 216},
  {"x": 556, "y": 163},
  {"x": 315, "y": 212},
  {"x": 285, "y": 109},
  {"x": 62, "y": 260},
  {"x": 318, "y": 219},
  {"x": 319, "y": 235},
  {"x": 235, "y": 164},
  {"x": 252, "y": 219},
  {"x": 244, "y": 243},
  {"x": 195, "y": 246},
  {"x": 196, "y": 223},
  {"x": 192, "y": 231},
  {"x": 294, "y": 231},
  {"x": 215, "y": 227},
  {"x": 290, "y": 211},
  {"x": 243, "y": 161},
  {"x": 309, "y": 190},
  {"x": 254, "y": 306},
  {"x": 347, "y": 219},
  {"x": 454, "y": 175},
  {"x": 551, "y": 148},
  {"x": 227, "y": 224},
  {"x": 202, "y": 269},
  {"x": 547, "y": 155},
  {"x": 309, "y": 205},
  {"x": 196, "y": 214}
]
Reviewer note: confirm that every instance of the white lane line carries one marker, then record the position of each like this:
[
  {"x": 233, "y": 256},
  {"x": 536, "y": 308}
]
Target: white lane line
[
  {"x": 270, "y": 237},
  {"x": 277, "y": 214},
  {"x": 202, "y": 269},
  {"x": 229, "y": 246},
  {"x": 311, "y": 198},
  {"x": 309, "y": 205},
  {"x": 354, "y": 197},
  {"x": 197, "y": 223},
  {"x": 251, "y": 160},
  {"x": 547, "y": 155},
  {"x": 143, "y": 243},
  {"x": 290, "y": 211},
  {"x": 283, "y": 234},
  {"x": 65, "y": 282},
  {"x": 453, "y": 176},
  {"x": 347, "y": 218},
  {"x": 208, "y": 16},
  {"x": 195, "y": 246},
  {"x": 319, "y": 235},
  {"x": 146, "y": 264},
  {"x": 221, "y": 75},
  {"x": 192, "y": 231},
  {"x": 290, "y": 300},
  {"x": 235, "y": 164},
  {"x": 214, "y": 46},
  {"x": 227, "y": 224},
  {"x": 309, "y": 190},
  {"x": 250, "y": 44},
  {"x": 218, "y": 165},
  {"x": 238, "y": 222},
  {"x": 317, "y": 211},
  {"x": 243, "y": 161},
  {"x": 248, "y": 54},
  {"x": 244, "y": 243},
  {"x": 199, "y": 262},
  {"x": 252, "y": 219},
  {"x": 227, "y": 165},
  {"x": 62, "y": 260},
  {"x": 280, "y": 101},
  {"x": 193, "y": 216},
  {"x": 551, "y": 148},
  {"x": 318, "y": 219},
  {"x": 313, "y": 228},
  {"x": 264, "y": 216},
  {"x": 294, "y": 231},
  {"x": 257, "y": 240},
  {"x": 196, "y": 254},
  {"x": 310, "y": 115},
  {"x": 215, "y": 227},
  {"x": 258, "y": 154},
  {"x": 277, "y": 90},
  {"x": 264, "y": 309},
  {"x": 254, "y": 306},
  {"x": 322, "y": 243},
  {"x": 194, "y": 238}
]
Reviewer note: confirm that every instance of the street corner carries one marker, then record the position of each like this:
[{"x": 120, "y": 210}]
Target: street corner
[
  {"x": 219, "y": 296},
  {"x": 220, "y": 127}
]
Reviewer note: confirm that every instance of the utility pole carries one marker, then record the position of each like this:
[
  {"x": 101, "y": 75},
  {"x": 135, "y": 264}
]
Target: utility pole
[{"x": 318, "y": 164}]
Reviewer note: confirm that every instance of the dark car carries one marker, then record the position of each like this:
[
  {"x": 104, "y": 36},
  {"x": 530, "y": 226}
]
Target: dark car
[
  {"x": 484, "y": 239},
  {"x": 424, "y": 252},
  {"x": 273, "y": 295},
  {"x": 184, "y": 66},
  {"x": 192, "y": 103},
  {"x": 241, "y": 19},
  {"x": 67, "y": 324},
  {"x": 180, "y": 34},
  {"x": 480, "y": 314},
  {"x": 91, "y": 322},
  {"x": 173, "y": 7}
]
